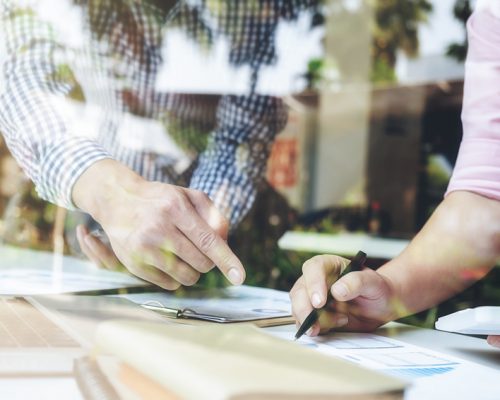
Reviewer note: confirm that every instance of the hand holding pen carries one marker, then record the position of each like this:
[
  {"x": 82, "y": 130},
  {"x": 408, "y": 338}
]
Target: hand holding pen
[
  {"x": 357, "y": 301},
  {"x": 355, "y": 265}
]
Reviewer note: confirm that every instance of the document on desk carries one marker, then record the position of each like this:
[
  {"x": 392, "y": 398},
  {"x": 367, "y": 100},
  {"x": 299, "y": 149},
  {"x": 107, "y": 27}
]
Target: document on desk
[
  {"x": 425, "y": 368},
  {"x": 263, "y": 306},
  {"x": 28, "y": 272}
]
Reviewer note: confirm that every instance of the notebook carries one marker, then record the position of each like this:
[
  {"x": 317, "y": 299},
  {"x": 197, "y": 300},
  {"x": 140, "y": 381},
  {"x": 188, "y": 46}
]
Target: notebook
[{"x": 229, "y": 362}]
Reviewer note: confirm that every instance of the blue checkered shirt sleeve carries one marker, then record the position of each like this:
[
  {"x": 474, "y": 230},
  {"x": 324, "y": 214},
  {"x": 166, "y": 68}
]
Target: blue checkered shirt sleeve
[
  {"x": 34, "y": 129},
  {"x": 234, "y": 163},
  {"x": 39, "y": 82}
]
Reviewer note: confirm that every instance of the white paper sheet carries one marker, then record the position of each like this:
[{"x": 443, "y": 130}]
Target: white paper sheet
[
  {"x": 433, "y": 375},
  {"x": 29, "y": 272}
]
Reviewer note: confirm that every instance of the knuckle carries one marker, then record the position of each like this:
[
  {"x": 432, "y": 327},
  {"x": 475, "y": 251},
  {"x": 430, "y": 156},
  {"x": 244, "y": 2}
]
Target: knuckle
[
  {"x": 184, "y": 273},
  {"x": 353, "y": 281},
  {"x": 193, "y": 279},
  {"x": 173, "y": 203},
  {"x": 317, "y": 259},
  {"x": 133, "y": 269},
  {"x": 218, "y": 222},
  {"x": 172, "y": 285},
  {"x": 139, "y": 254},
  {"x": 222, "y": 227},
  {"x": 306, "y": 266},
  {"x": 207, "y": 240},
  {"x": 223, "y": 223},
  {"x": 310, "y": 265},
  {"x": 170, "y": 205},
  {"x": 139, "y": 272},
  {"x": 200, "y": 195},
  {"x": 226, "y": 259},
  {"x": 205, "y": 267},
  {"x": 296, "y": 287}
]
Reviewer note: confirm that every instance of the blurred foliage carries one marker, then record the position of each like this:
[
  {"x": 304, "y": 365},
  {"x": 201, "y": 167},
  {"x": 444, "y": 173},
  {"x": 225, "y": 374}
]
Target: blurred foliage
[
  {"x": 191, "y": 121},
  {"x": 315, "y": 72},
  {"x": 462, "y": 12},
  {"x": 383, "y": 72},
  {"x": 28, "y": 221},
  {"x": 438, "y": 178},
  {"x": 64, "y": 73},
  {"x": 396, "y": 27}
]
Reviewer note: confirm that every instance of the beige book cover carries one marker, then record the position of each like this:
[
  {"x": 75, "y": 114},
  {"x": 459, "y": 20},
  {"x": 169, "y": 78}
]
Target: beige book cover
[{"x": 236, "y": 362}]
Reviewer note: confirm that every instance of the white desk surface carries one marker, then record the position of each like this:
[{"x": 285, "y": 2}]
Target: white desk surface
[
  {"x": 27, "y": 272},
  {"x": 39, "y": 389},
  {"x": 464, "y": 347},
  {"x": 345, "y": 244}
]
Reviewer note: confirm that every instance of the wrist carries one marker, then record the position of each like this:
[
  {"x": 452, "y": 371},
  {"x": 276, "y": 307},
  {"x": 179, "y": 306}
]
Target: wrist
[
  {"x": 103, "y": 187},
  {"x": 396, "y": 305}
]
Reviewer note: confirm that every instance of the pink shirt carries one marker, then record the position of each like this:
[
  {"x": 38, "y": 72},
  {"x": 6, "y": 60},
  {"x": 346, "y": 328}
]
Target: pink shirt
[{"x": 478, "y": 164}]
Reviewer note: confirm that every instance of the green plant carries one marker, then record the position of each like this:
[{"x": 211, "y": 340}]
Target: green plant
[{"x": 462, "y": 12}]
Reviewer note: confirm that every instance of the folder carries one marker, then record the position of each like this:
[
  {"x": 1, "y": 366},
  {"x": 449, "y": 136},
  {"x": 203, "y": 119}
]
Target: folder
[
  {"x": 229, "y": 362},
  {"x": 234, "y": 304}
]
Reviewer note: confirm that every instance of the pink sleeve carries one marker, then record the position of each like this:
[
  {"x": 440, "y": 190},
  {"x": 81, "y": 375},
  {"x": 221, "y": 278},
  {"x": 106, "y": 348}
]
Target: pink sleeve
[{"x": 478, "y": 164}]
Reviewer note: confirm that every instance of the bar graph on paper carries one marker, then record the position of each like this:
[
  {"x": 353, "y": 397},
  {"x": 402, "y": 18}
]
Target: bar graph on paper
[
  {"x": 433, "y": 375},
  {"x": 381, "y": 353}
]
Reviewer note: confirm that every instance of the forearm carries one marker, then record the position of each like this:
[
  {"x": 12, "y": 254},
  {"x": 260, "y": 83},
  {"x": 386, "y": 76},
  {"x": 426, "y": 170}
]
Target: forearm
[{"x": 458, "y": 246}]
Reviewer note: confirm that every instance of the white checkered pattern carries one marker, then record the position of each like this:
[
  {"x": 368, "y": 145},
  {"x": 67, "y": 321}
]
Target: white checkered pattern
[{"x": 114, "y": 68}]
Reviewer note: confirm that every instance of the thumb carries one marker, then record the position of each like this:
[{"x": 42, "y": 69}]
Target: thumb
[
  {"x": 494, "y": 341},
  {"x": 366, "y": 283}
]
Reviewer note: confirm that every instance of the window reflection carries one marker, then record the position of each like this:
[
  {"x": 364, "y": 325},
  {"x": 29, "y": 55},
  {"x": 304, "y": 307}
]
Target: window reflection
[{"x": 290, "y": 114}]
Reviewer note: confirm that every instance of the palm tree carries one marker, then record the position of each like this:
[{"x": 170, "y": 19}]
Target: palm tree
[
  {"x": 396, "y": 28},
  {"x": 462, "y": 12}
]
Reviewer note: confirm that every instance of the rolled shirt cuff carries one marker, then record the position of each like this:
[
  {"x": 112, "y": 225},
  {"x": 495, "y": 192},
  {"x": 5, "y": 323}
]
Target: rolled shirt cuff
[
  {"x": 478, "y": 168},
  {"x": 64, "y": 162}
]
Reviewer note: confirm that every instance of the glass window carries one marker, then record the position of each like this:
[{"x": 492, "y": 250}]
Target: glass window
[{"x": 315, "y": 115}]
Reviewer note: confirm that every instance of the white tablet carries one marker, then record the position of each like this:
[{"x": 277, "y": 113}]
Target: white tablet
[{"x": 472, "y": 321}]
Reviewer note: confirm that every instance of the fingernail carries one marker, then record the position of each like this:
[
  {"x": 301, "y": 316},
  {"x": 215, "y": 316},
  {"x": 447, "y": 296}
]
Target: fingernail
[
  {"x": 341, "y": 321},
  {"x": 309, "y": 332},
  {"x": 340, "y": 290},
  {"x": 234, "y": 276},
  {"x": 316, "y": 300}
]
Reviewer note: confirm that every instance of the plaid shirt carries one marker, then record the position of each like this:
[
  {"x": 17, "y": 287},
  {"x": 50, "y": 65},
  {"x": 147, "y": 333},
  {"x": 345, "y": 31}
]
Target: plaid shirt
[{"x": 110, "y": 66}]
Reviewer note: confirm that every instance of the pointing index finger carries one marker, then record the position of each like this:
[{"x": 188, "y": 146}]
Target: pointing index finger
[{"x": 213, "y": 246}]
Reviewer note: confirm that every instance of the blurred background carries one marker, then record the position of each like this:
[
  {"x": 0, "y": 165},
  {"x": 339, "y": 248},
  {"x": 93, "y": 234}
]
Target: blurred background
[{"x": 373, "y": 91}]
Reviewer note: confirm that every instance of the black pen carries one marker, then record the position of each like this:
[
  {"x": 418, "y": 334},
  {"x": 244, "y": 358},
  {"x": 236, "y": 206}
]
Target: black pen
[{"x": 355, "y": 265}]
